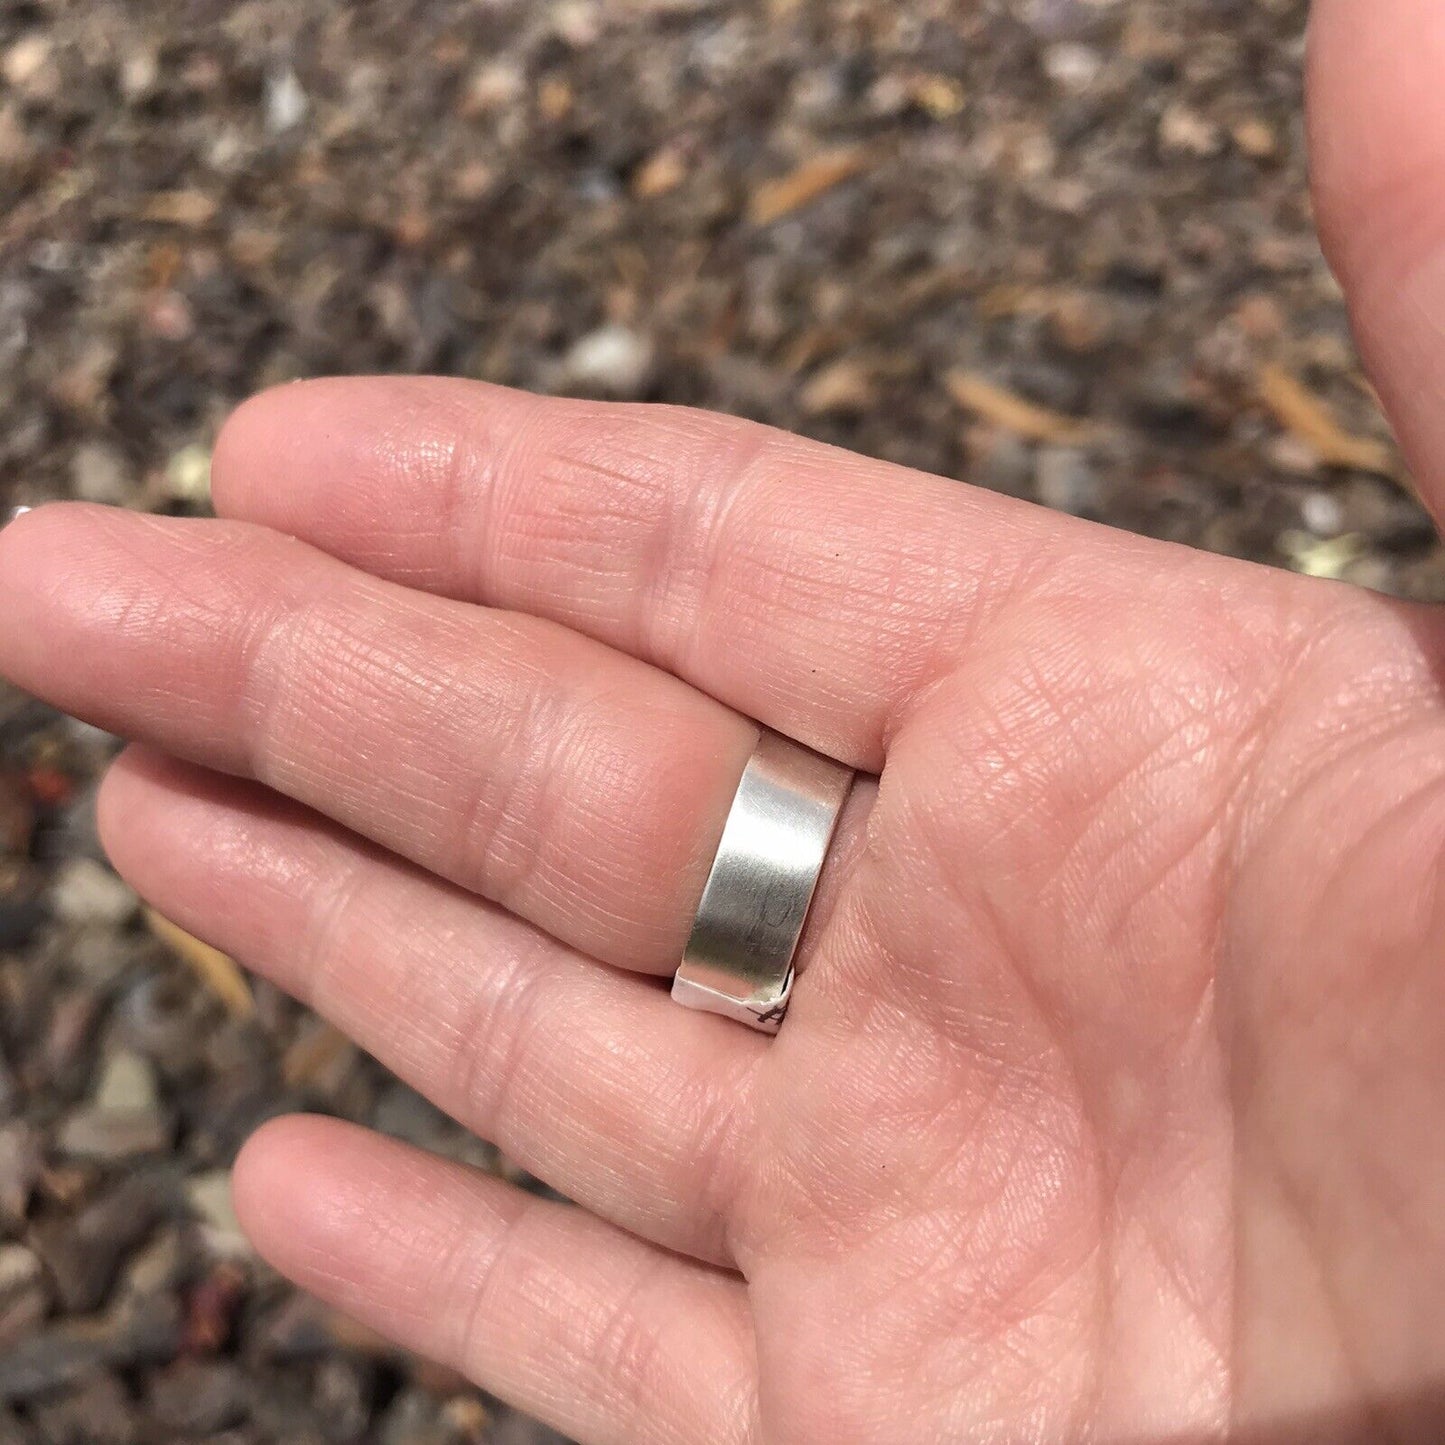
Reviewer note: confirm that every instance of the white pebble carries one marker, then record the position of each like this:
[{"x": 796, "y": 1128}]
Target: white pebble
[
  {"x": 1066, "y": 480},
  {"x": 613, "y": 359},
  {"x": 1074, "y": 67},
  {"x": 87, "y": 892},
  {"x": 1322, "y": 514},
  {"x": 98, "y": 474},
  {"x": 210, "y": 1197},
  {"x": 127, "y": 1084},
  {"x": 286, "y": 102},
  {"x": 188, "y": 475}
]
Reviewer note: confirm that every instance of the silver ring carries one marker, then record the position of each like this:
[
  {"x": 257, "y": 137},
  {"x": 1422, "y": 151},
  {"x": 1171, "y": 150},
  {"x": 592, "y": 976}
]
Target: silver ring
[{"x": 739, "y": 958}]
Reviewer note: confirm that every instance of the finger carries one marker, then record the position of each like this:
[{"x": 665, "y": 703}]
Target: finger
[
  {"x": 574, "y": 785},
  {"x": 812, "y": 589},
  {"x": 553, "y": 1311},
  {"x": 593, "y": 1080},
  {"x": 1377, "y": 129}
]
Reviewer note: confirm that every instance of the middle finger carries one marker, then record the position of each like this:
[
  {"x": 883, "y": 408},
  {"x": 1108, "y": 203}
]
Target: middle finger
[{"x": 578, "y": 787}]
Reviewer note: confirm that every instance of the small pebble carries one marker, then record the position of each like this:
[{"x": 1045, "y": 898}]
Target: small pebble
[
  {"x": 9, "y": 1088},
  {"x": 493, "y": 86},
  {"x": 578, "y": 23},
  {"x": 412, "y": 1416},
  {"x": 210, "y": 1199},
  {"x": 286, "y": 101},
  {"x": 100, "y": 955},
  {"x": 188, "y": 475},
  {"x": 108, "y": 1135},
  {"x": 84, "y": 1252},
  {"x": 146, "y": 1331},
  {"x": 1000, "y": 462},
  {"x": 1256, "y": 138},
  {"x": 156, "y": 1267},
  {"x": 25, "y": 59},
  {"x": 17, "y": 815},
  {"x": 1186, "y": 130},
  {"x": 1322, "y": 514},
  {"x": 20, "y": 1165},
  {"x": 99, "y": 1412},
  {"x": 98, "y": 473},
  {"x": 139, "y": 74},
  {"x": 127, "y": 1084},
  {"x": 199, "y": 1398},
  {"x": 1071, "y": 66},
  {"x": 298, "y": 1329},
  {"x": 211, "y": 1309},
  {"x": 24, "y": 1293},
  {"x": 85, "y": 891},
  {"x": 341, "y": 1392},
  {"x": 48, "y": 1360},
  {"x": 65, "y": 1050},
  {"x": 22, "y": 907},
  {"x": 1066, "y": 480},
  {"x": 612, "y": 359},
  {"x": 468, "y": 1418}
]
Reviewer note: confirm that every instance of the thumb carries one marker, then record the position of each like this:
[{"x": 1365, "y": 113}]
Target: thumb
[{"x": 1377, "y": 138}]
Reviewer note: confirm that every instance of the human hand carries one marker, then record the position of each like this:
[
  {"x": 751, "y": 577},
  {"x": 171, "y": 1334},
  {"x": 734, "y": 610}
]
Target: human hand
[{"x": 1106, "y": 1106}]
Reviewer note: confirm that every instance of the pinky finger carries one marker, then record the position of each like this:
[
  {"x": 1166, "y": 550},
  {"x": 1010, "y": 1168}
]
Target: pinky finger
[{"x": 590, "y": 1330}]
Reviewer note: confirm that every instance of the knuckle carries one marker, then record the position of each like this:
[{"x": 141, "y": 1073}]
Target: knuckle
[{"x": 498, "y": 1044}]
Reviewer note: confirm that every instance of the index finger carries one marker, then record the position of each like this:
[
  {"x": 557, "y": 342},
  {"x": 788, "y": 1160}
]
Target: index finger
[{"x": 817, "y": 591}]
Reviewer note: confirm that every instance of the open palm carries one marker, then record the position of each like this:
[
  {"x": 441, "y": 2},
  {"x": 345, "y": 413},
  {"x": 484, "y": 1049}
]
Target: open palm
[{"x": 1106, "y": 1107}]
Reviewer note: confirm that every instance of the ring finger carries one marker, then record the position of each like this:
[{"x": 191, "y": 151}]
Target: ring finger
[
  {"x": 578, "y": 787},
  {"x": 589, "y": 1078}
]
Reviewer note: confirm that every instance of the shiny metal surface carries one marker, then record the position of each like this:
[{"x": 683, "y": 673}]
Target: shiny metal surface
[{"x": 739, "y": 959}]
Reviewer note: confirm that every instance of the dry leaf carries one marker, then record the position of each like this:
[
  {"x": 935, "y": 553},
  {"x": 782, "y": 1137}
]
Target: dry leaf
[
  {"x": 846, "y": 385},
  {"x": 1305, "y": 417},
  {"x": 940, "y": 95},
  {"x": 1014, "y": 298},
  {"x": 801, "y": 187},
  {"x": 1014, "y": 413},
  {"x": 180, "y": 208},
  {"x": 555, "y": 99},
  {"x": 663, "y": 171},
  {"x": 812, "y": 345},
  {"x": 947, "y": 283},
  {"x": 314, "y": 1055},
  {"x": 212, "y": 966}
]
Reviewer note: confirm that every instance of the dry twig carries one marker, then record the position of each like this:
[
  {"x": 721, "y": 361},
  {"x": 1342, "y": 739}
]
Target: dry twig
[{"x": 218, "y": 972}]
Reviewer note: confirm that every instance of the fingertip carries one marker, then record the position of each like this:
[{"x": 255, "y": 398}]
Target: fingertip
[
  {"x": 282, "y": 452},
  {"x": 45, "y": 585},
  {"x": 114, "y": 805},
  {"x": 325, "y": 459},
  {"x": 306, "y": 1190},
  {"x": 1376, "y": 118},
  {"x": 244, "y": 447},
  {"x": 275, "y": 1181},
  {"x": 1377, "y": 124},
  {"x": 31, "y": 535},
  {"x": 126, "y": 802}
]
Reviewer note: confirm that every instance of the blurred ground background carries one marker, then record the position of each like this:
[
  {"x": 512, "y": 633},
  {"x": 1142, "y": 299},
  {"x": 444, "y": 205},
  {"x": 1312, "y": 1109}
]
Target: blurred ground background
[{"x": 1061, "y": 248}]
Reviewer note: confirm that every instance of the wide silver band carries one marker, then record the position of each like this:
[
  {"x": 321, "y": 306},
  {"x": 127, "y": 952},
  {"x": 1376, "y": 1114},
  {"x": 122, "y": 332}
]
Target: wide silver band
[{"x": 739, "y": 959}]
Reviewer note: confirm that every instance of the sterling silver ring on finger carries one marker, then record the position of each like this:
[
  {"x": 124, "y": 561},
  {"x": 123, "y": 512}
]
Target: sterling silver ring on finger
[{"x": 739, "y": 957}]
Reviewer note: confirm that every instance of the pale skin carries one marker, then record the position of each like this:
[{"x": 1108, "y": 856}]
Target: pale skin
[{"x": 1109, "y": 1103}]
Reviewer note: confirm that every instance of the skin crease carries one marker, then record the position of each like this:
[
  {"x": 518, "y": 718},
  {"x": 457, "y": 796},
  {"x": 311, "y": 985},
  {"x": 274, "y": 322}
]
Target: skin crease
[{"x": 1106, "y": 1109}]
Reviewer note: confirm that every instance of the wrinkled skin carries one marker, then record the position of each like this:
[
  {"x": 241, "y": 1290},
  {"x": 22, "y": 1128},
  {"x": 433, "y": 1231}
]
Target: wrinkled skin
[{"x": 1107, "y": 1106}]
